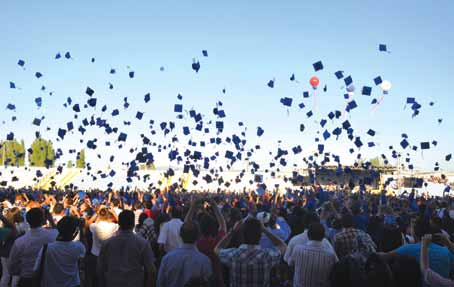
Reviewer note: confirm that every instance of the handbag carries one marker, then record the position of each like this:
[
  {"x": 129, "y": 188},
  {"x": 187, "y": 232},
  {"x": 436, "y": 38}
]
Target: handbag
[{"x": 38, "y": 276}]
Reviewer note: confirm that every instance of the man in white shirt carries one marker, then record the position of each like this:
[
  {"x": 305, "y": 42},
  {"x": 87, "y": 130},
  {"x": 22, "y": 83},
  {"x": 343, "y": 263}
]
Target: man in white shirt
[
  {"x": 169, "y": 235},
  {"x": 302, "y": 239},
  {"x": 26, "y": 248},
  {"x": 313, "y": 262}
]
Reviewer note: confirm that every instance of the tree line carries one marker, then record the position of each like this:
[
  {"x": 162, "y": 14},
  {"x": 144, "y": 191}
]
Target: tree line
[{"x": 40, "y": 154}]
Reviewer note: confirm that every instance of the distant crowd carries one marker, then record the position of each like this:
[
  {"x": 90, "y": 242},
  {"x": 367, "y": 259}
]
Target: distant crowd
[{"x": 308, "y": 236}]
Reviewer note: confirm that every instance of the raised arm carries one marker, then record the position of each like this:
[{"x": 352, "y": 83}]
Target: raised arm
[
  {"x": 424, "y": 262},
  {"x": 275, "y": 240},
  {"x": 192, "y": 211},
  {"x": 219, "y": 218}
]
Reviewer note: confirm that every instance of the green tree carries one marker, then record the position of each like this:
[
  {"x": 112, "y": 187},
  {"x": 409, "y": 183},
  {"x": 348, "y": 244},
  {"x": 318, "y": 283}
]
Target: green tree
[
  {"x": 69, "y": 164},
  {"x": 12, "y": 153},
  {"x": 42, "y": 153},
  {"x": 80, "y": 163}
]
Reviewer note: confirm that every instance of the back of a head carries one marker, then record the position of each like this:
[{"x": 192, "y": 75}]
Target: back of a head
[
  {"x": 126, "y": 220},
  {"x": 252, "y": 231},
  {"x": 347, "y": 220},
  {"x": 378, "y": 272},
  {"x": 348, "y": 272},
  {"x": 103, "y": 214},
  {"x": 208, "y": 225},
  {"x": 35, "y": 217},
  {"x": 58, "y": 208},
  {"x": 316, "y": 232},
  {"x": 67, "y": 227},
  {"x": 176, "y": 212},
  {"x": 406, "y": 271},
  {"x": 189, "y": 232}
]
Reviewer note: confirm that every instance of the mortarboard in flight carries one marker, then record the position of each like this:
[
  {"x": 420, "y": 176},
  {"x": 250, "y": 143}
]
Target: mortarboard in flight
[
  {"x": 38, "y": 75},
  {"x": 286, "y": 101},
  {"x": 318, "y": 66},
  {"x": 339, "y": 74},
  {"x": 260, "y": 131},
  {"x": 367, "y": 91},
  {"x": 382, "y": 48},
  {"x": 178, "y": 108},
  {"x": 131, "y": 74},
  {"x": 425, "y": 145},
  {"x": 205, "y": 53},
  {"x": 378, "y": 81},
  {"x": 271, "y": 84},
  {"x": 68, "y": 55}
]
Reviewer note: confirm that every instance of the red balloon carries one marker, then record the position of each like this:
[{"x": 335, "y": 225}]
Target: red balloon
[{"x": 314, "y": 81}]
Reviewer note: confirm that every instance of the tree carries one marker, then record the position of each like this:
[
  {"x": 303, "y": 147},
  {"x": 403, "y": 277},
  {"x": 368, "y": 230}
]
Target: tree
[
  {"x": 42, "y": 153},
  {"x": 80, "y": 162},
  {"x": 12, "y": 153}
]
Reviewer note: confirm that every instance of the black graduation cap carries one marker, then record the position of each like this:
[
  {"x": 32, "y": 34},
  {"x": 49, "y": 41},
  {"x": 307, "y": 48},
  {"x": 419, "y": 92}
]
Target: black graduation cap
[
  {"x": 131, "y": 74},
  {"x": 346, "y": 124},
  {"x": 10, "y": 136},
  {"x": 61, "y": 133},
  {"x": 205, "y": 53},
  {"x": 371, "y": 132},
  {"x": 195, "y": 65},
  {"x": 178, "y": 108},
  {"x": 89, "y": 91},
  {"x": 271, "y": 84},
  {"x": 292, "y": 77},
  {"x": 348, "y": 81},
  {"x": 70, "y": 126},
  {"x": 326, "y": 135},
  {"x": 104, "y": 108},
  {"x": 37, "y": 122},
  {"x": 260, "y": 131},
  {"x": 367, "y": 91},
  {"x": 92, "y": 102},
  {"x": 351, "y": 105},
  {"x": 378, "y": 80},
  {"x": 286, "y": 101},
  {"x": 112, "y": 71},
  {"x": 139, "y": 115},
  {"x": 339, "y": 74},
  {"x": 115, "y": 112},
  {"x": 318, "y": 66},
  {"x": 382, "y": 48},
  {"x": 425, "y": 145},
  {"x": 11, "y": 107},
  {"x": 358, "y": 142},
  {"x": 38, "y": 75},
  {"x": 309, "y": 114},
  {"x": 67, "y": 55},
  {"x": 302, "y": 127},
  {"x": 12, "y": 85},
  {"x": 122, "y": 137},
  {"x": 21, "y": 63},
  {"x": 448, "y": 157}
]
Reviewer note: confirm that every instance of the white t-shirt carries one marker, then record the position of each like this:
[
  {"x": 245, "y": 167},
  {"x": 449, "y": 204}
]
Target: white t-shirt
[
  {"x": 61, "y": 264},
  {"x": 169, "y": 235},
  {"x": 101, "y": 231}
]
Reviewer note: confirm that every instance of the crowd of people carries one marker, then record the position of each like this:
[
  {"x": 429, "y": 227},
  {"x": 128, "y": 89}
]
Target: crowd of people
[{"x": 305, "y": 237}]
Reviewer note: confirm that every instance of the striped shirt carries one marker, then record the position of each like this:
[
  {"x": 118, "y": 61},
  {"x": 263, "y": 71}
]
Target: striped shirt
[
  {"x": 250, "y": 265},
  {"x": 313, "y": 263}
]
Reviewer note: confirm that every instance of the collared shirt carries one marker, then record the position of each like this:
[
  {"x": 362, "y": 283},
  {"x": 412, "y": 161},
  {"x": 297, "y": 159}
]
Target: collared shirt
[
  {"x": 101, "y": 231},
  {"x": 303, "y": 239},
  {"x": 26, "y": 248},
  {"x": 61, "y": 267},
  {"x": 147, "y": 231},
  {"x": 183, "y": 264},
  {"x": 169, "y": 235},
  {"x": 351, "y": 240},
  {"x": 441, "y": 260},
  {"x": 313, "y": 263},
  {"x": 250, "y": 265},
  {"x": 123, "y": 260},
  {"x": 282, "y": 231}
]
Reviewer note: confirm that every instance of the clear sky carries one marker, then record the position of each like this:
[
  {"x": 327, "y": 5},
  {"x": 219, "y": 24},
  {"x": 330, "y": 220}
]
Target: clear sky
[{"x": 249, "y": 43}]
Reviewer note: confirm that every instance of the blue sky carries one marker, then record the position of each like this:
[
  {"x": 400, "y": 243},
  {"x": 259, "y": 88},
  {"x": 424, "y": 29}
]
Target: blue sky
[{"x": 249, "y": 43}]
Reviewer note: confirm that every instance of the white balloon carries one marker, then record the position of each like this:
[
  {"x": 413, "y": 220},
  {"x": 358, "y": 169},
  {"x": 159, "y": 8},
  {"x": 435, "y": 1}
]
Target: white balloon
[{"x": 386, "y": 86}]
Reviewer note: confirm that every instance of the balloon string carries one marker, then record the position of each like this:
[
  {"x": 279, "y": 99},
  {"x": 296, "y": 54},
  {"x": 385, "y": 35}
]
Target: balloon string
[
  {"x": 314, "y": 107},
  {"x": 378, "y": 103}
]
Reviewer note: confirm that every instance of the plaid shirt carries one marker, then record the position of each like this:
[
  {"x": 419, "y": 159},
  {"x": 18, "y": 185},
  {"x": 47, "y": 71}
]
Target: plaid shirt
[
  {"x": 351, "y": 240},
  {"x": 249, "y": 265},
  {"x": 147, "y": 231}
]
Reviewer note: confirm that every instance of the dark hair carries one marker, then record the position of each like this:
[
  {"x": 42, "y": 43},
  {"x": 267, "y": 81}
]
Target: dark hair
[
  {"x": 142, "y": 217},
  {"x": 347, "y": 220},
  {"x": 176, "y": 212},
  {"x": 252, "y": 231},
  {"x": 378, "y": 273},
  {"x": 208, "y": 225},
  {"x": 347, "y": 272},
  {"x": 126, "y": 220},
  {"x": 58, "y": 208},
  {"x": 189, "y": 232},
  {"x": 406, "y": 271},
  {"x": 316, "y": 232},
  {"x": 35, "y": 217},
  {"x": 116, "y": 202},
  {"x": 67, "y": 227}
]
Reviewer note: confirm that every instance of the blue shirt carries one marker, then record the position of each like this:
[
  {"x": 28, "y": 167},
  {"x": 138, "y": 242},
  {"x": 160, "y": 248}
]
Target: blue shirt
[
  {"x": 283, "y": 232},
  {"x": 183, "y": 264},
  {"x": 441, "y": 260}
]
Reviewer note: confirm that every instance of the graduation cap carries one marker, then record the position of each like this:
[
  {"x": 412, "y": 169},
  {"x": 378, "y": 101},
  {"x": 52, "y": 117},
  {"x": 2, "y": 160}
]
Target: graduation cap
[
  {"x": 70, "y": 126},
  {"x": 11, "y": 107},
  {"x": 271, "y": 84},
  {"x": 448, "y": 157},
  {"x": 346, "y": 125},
  {"x": 21, "y": 63},
  {"x": 378, "y": 81},
  {"x": 302, "y": 127},
  {"x": 434, "y": 143},
  {"x": 12, "y": 85},
  {"x": 326, "y": 135},
  {"x": 37, "y": 122},
  {"x": 205, "y": 53},
  {"x": 178, "y": 108},
  {"x": 146, "y": 98},
  {"x": 318, "y": 66},
  {"x": 292, "y": 77},
  {"x": 112, "y": 71},
  {"x": 89, "y": 91},
  {"x": 371, "y": 132},
  {"x": 38, "y": 75},
  {"x": 38, "y": 101},
  {"x": 139, "y": 115},
  {"x": 411, "y": 100},
  {"x": 425, "y": 145},
  {"x": 260, "y": 131},
  {"x": 122, "y": 137},
  {"x": 10, "y": 136},
  {"x": 61, "y": 133},
  {"x": 351, "y": 105},
  {"x": 92, "y": 102},
  {"x": 358, "y": 142},
  {"x": 195, "y": 66},
  {"x": 131, "y": 74},
  {"x": 382, "y": 48},
  {"x": 286, "y": 101},
  {"x": 323, "y": 123},
  {"x": 306, "y": 94},
  {"x": 67, "y": 55},
  {"x": 348, "y": 81},
  {"x": 115, "y": 112},
  {"x": 339, "y": 74},
  {"x": 367, "y": 91},
  {"x": 309, "y": 114}
]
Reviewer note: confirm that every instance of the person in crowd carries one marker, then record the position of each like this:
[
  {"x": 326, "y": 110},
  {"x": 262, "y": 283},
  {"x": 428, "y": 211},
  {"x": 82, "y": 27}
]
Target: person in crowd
[
  {"x": 249, "y": 265},
  {"x": 431, "y": 278},
  {"x": 352, "y": 241},
  {"x": 13, "y": 227},
  {"x": 312, "y": 261},
  {"x": 58, "y": 261},
  {"x": 26, "y": 248},
  {"x": 378, "y": 273},
  {"x": 126, "y": 260},
  {"x": 406, "y": 271},
  {"x": 348, "y": 272},
  {"x": 102, "y": 227},
  {"x": 185, "y": 264},
  {"x": 169, "y": 234},
  {"x": 145, "y": 228},
  {"x": 276, "y": 225}
]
